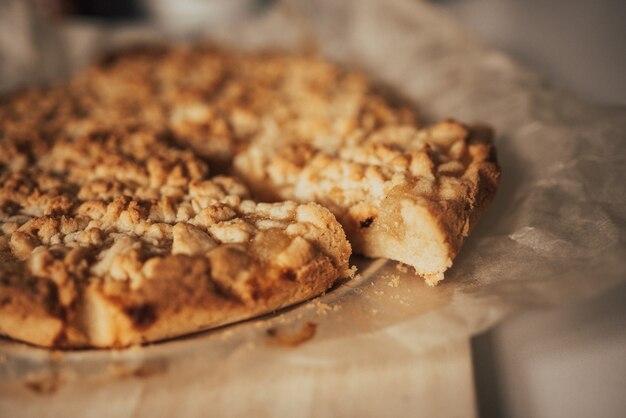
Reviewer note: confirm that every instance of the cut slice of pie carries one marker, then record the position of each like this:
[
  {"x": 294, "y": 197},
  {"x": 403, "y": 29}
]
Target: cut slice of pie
[{"x": 400, "y": 192}]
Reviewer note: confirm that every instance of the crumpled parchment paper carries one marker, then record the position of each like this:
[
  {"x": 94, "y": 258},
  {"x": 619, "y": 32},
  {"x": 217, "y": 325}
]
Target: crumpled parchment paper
[{"x": 555, "y": 232}]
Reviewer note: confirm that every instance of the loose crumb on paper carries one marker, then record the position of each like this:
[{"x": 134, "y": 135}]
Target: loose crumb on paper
[
  {"x": 290, "y": 338},
  {"x": 46, "y": 384},
  {"x": 401, "y": 267},
  {"x": 394, "y": 281},
  {"x": 322, "y": 308},
  {"x": 352, "y": 273}
]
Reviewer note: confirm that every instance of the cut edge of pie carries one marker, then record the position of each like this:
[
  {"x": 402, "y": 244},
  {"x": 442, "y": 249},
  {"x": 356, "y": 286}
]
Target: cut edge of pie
[
  {"x": 180, "y": 293},
  {"x": 399, "y": 221},
  {"x": 433, "y": 232},
  {"x": 120, "y": 321}
]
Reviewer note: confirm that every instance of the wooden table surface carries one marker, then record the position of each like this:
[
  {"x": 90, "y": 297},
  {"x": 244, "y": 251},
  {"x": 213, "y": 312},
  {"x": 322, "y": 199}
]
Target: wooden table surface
[{"x": 437, "y": 383}]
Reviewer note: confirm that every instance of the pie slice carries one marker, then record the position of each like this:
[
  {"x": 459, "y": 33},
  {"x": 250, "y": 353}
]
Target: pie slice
[
  {"x": 119, "y": 238},
  {"x": 401, "y": 193}
]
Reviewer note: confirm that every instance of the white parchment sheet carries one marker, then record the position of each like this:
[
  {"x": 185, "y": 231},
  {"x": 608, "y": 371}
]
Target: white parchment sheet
[{"x": 555, "y": 232}]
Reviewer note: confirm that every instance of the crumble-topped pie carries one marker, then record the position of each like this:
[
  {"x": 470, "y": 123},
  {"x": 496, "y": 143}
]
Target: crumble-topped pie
[{"x": 114, "y": 232}]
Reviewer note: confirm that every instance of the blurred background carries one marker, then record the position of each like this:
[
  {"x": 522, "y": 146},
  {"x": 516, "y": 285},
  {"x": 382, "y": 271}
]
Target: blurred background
[
  {"x": 568, "y": 362},
  {"x": 578, "y": 44}
]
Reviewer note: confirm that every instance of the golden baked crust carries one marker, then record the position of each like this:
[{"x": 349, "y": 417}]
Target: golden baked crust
[
  {"x": 112, "y": 239},
  {"x": 400, "y": 192}
]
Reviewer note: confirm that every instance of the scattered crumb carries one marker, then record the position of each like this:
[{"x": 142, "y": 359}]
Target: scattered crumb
[
  {"x": 374, "y": 311},
  {"x": 394, "y": 281},
  {"x": 322, "y": 308},
  {"x": 145, "y": 370},
  {"x": 150, "y": 369},
  {"x": 287, "y": 338},
  {"x": 379, "y": 292},
  {"x": 403, "y": 268},
  {"x": 45, "y": 385},
  {"x": 352, "y": 274}
]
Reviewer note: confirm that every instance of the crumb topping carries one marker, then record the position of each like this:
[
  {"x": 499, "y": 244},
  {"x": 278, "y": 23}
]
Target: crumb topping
[
  {"x": 353, "y": 176},
  {"x": 109, "y": 206}
]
